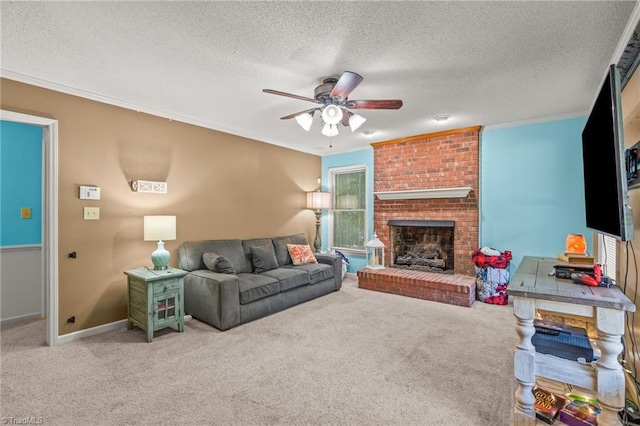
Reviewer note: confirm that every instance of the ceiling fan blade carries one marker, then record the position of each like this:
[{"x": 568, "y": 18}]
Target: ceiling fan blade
[
  {"x": 289, "y": 95},
  {"x": 308, "y": 111},
  {"x": 345, "y": 118},
  {"x": 345, "y": 85},
  {"x": 374, "y": 104}
]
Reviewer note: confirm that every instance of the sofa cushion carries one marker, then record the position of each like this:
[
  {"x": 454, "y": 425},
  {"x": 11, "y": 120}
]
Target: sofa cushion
[
  {"x": 217, "y": 263},
  {"x": 289, "y": 278},
  {"x": 317, "y": 271},
  {"x": 253, "y": 287},
  {"x": 246, "y": 248},
  {"x": 263, "y": 258},
  {"x": 190, "y": 254},
  {"x": 301, "y": 254},
  {"x": 280, "y": 247}
]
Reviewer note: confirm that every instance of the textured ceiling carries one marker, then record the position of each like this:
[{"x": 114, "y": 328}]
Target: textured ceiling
[{"x": 483, "y": 63}]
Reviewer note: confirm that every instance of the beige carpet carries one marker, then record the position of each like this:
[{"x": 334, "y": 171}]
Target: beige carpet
[{"x": 354, "y": 357}]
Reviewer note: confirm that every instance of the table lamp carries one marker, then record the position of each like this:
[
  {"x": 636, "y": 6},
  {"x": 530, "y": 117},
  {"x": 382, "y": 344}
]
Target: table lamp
[{"x": 160, "y": 228}]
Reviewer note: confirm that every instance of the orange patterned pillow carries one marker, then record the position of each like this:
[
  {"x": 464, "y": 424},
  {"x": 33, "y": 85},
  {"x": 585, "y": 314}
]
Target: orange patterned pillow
[{"x": 301, "y": 254}]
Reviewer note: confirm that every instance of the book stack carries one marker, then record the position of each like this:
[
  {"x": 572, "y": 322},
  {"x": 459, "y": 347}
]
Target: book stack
[
  {"x": 547, "y": 404},
  {"x": 580, "y": 411}
]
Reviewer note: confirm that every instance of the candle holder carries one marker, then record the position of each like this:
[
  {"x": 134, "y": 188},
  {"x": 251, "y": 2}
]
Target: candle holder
[{"x": 375, "y": 253}]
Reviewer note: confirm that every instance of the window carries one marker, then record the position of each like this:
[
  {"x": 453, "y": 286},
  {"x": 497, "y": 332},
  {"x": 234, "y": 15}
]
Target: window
[
  {"x": 348, "y": 228},
  {"x": 607, "y": 255}
]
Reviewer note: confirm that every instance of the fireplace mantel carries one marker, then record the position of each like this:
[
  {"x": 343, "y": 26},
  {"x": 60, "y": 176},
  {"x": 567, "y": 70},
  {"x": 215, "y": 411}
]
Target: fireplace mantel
[{"x": 460, "y": 192}]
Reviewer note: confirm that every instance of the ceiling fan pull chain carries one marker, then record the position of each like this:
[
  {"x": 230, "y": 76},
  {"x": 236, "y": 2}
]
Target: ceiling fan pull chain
[{"x": 331, "y": 142}]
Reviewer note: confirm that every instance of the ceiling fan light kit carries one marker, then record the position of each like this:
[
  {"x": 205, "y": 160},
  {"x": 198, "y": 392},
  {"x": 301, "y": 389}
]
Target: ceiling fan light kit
[
  {"x": 332, "y": 95},
  {"x": 330, "y": 130},
  {"x": 355, "y": 121},
  {"x": 332, "y": 114},
  {"x": 305, "y": 120}
]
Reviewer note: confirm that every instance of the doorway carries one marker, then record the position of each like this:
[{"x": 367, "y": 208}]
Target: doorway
[{"x": 49, "y": 215}]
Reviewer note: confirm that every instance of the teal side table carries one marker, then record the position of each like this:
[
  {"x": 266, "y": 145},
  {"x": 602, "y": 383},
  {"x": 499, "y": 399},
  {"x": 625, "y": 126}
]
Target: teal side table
[{"x": 155, "y": 299}]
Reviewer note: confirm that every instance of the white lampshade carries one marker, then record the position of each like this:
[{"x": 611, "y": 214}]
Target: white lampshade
[
  {"x": 318, "y": 200},
  {"x": 305, "y": 121},
  {"x": 332, "y": 114},
  {"x": 330, "y": 130},
  {"x": 356, "y": 121},
  {"x": 157, "y": 228}
]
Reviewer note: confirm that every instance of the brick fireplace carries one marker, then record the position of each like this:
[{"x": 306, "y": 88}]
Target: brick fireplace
[
  {"x": 428, "y": 178},
  {"x": 422, "y": 245}
]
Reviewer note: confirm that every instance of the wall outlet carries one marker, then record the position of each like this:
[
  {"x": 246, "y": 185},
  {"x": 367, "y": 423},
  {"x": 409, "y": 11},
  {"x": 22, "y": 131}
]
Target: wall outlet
[{"x": 91, "y": 213}]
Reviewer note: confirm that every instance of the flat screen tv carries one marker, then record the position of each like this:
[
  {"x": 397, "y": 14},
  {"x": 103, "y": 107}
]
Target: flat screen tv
[{"x": 605, "y": 180}]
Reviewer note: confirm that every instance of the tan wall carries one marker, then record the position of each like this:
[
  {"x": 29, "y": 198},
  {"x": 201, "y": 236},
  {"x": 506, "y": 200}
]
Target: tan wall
[
  {"x": 219, "y": 186},
  {"x": 631, "y": 123}
]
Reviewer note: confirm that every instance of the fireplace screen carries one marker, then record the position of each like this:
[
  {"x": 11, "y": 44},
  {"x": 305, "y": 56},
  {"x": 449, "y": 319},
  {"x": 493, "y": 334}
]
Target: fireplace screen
[{"x": 423, "y": 245}]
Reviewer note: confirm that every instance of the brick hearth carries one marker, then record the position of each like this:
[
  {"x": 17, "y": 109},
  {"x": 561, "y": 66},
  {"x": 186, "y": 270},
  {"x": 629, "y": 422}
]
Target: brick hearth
[{"x": 456, "y": 290}]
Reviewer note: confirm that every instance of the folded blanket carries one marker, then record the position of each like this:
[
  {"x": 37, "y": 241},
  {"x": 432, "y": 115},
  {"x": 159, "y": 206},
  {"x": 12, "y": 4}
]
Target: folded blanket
[{"x": 483, "y": 261}]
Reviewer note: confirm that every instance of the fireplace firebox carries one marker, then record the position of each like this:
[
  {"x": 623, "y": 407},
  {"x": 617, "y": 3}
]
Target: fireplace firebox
[{"x": 422, "y": 245}]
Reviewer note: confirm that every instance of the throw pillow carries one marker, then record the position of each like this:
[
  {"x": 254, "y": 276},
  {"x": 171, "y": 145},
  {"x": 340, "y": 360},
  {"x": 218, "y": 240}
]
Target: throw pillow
[
  {"x": 301, "y": 254},
  {"x": 217, "y": 263},
  {"x": 263, "y": 258}
]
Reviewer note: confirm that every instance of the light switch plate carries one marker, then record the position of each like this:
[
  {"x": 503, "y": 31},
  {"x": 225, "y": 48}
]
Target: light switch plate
[{"x": 91, "y": 213}]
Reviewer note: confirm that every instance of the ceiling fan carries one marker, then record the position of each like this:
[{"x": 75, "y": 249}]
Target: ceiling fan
[{"x": 334, "y": 104}]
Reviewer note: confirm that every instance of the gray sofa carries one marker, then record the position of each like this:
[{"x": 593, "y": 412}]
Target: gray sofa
[{"x": 226, "y": 300}]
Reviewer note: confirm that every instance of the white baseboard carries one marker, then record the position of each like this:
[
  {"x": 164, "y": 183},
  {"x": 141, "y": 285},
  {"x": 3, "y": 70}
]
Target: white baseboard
[
  {"x": 70, "y": 337},
  {"x": 26, "y": 317},
  {"x": 66, "y": 338}
]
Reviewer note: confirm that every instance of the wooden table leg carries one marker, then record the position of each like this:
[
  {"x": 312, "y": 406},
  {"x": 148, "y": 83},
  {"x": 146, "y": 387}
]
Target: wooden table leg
[
  {"x": 609, "y": 372},
  {"x": 524, "y": 362}
]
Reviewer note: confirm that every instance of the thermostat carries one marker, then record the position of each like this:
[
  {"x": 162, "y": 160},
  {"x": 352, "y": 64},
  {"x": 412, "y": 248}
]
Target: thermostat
[{"x": 89, "y": 193}]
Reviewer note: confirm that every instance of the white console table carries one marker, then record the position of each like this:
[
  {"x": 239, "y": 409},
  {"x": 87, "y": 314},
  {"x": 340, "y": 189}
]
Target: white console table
[{"x": 533, "y": 289}]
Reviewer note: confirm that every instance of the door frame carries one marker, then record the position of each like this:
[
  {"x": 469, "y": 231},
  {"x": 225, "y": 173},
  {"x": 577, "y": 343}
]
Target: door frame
[{"x": 49, "y": 216}]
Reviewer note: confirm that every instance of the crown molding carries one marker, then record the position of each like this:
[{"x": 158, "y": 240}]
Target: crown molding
[
  {"x": 429, "y": 135},
  {"x": 537, "y": 120}
]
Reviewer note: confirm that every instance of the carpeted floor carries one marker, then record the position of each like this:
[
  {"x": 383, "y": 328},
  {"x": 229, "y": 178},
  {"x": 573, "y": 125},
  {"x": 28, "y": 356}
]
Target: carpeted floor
[{"x": 354, "y": 357}]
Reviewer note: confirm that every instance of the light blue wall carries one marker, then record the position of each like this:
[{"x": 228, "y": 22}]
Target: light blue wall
[
  {"x": 365, "y": 157},
  {"x": 531, "y": 188},
  {"x": 20, "y": 183}
]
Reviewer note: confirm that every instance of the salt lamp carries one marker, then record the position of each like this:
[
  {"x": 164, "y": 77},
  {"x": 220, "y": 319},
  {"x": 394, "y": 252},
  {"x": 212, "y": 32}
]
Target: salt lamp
[{"x": 576, "y": 244}]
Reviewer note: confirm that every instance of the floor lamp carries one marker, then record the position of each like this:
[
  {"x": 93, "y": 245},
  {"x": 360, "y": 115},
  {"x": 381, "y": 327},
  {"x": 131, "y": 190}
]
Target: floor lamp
[{"x": 318, "y": 200}]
